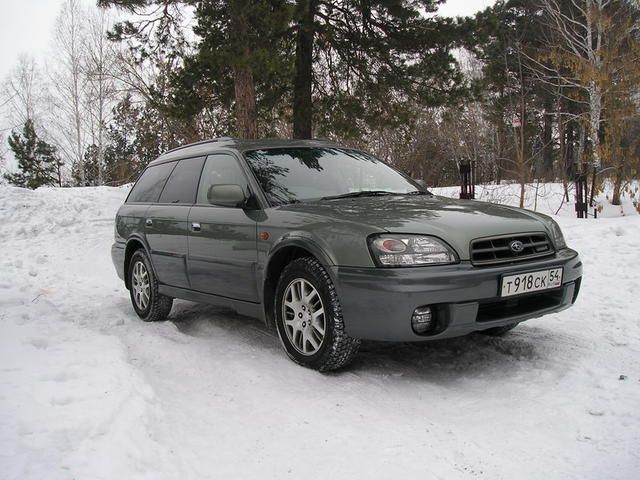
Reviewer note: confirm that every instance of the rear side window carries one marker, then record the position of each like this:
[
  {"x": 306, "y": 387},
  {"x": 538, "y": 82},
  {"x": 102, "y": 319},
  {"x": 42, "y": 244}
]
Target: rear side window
[
  {"x": 183, "y": 182},
  {"x": 220, "y": 169},
  {"x": 148, "y": 187}
]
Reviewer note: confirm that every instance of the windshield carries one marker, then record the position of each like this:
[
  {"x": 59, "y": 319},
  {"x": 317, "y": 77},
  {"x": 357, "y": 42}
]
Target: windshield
[{"x": 290, "y": 175}]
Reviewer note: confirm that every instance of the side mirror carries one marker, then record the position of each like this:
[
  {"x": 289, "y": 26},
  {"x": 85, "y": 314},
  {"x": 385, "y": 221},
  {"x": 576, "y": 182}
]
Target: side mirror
[
  {"x": 226, "y": 195},
  {"x": 420, "y": 182}
]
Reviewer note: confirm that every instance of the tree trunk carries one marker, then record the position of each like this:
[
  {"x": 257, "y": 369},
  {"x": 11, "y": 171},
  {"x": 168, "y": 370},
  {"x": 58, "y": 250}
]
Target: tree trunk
[
  {"x": 59, "y": 173},
  {"x": 563, "y": 152},
  {"x": 569, "y": 160},
  {"x": 245, "y": 95},
  {"x": 501, "y": 150},
  {"x": 522, "y": 150},
  {"x": 618, "y": 160},
  {"x": 101, "y": 131},
  {"x": 581, "y": 165},
  {"x": 244, "y": 85},
  {"x": 302, "y": 104},
  {"x": 501, "y": 138},
  {"x": 595, "y": 109},
  {"x": 75, "y": 59},
  {"x": 547, "y": 138},
  {"x": 617, "y": 187},
  {"x": 579, "y": 162}
]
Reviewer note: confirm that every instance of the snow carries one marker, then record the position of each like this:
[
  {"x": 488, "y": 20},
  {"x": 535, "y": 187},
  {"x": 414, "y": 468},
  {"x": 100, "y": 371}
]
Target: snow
[
  {"x": 88, "y": 391},
  {"x": 549, "y": 198}
]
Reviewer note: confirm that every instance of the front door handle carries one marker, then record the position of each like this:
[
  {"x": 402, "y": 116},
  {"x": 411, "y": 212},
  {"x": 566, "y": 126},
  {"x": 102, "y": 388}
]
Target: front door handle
[
  {"x": 149, "y": 222},
  {"x": 195, "y": 227}
]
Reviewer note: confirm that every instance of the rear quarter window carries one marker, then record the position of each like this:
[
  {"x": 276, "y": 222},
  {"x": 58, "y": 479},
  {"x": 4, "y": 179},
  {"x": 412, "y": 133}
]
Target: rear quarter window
[
  {"x": 148, "y": 187},
  {"x": 183, "y": 182}
]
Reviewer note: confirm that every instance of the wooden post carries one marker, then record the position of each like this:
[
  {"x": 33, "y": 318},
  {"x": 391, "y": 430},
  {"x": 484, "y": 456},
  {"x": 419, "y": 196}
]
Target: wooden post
[
  {"x": 582, "y": 205},
  {"x": 467, "y": 179}
]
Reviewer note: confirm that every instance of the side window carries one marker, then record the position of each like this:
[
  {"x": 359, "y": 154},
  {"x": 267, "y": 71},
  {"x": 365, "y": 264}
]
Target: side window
[
  {"x": 148, "y": 187},
  {"x": 220, "y": 169},
  {"x": 183, "y": 182}
]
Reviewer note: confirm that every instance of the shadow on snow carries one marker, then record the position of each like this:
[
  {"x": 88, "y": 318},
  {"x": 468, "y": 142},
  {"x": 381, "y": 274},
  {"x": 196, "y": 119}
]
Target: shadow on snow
[{"x": 442, "y": 361}]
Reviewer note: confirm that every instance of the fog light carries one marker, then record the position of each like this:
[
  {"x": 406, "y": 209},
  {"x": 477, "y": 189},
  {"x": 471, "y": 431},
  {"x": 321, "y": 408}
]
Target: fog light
[{"x": 422, "y": 320}]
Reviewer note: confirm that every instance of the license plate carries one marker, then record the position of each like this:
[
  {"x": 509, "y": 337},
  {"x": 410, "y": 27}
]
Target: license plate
[{"x": 531, "y": 282}]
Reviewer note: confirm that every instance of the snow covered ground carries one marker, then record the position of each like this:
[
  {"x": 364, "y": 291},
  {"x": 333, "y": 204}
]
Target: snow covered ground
[{"x": 87, "y": 391}]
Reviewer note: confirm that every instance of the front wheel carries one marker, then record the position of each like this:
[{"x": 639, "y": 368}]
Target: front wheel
[
  {"x": 309, "y": 318},
  {"x": 150, "y": 305}
]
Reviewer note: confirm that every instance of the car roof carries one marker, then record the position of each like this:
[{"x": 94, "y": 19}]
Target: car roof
[{"x": 206, "y": 147}]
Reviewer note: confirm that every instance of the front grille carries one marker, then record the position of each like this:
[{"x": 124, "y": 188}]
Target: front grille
[{"x": 493, "y": 250}]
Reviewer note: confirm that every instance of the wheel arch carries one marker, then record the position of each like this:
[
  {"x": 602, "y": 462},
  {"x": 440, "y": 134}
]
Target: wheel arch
[
  {"x": 134, "y": 243},
  {"x": 279, "y": 258}
]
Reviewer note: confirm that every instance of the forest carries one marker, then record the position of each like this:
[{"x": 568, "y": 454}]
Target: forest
[{"x": 525, "y": 90}]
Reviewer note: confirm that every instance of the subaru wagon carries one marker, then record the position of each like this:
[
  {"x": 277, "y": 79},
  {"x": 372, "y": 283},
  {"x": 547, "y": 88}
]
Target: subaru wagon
[{"x": 331, "y": 246}]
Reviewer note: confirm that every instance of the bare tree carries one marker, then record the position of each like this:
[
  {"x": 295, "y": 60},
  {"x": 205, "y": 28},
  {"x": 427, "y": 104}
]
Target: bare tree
[
  {"x": 70, "y": 83},
  {"x": 520, "y": 165},
  {"x": 98, "y": 69},
  {"x": 594, "y": 55},
  {"x": 581, "y": 53},
  {"x": 23, "y": 93}
]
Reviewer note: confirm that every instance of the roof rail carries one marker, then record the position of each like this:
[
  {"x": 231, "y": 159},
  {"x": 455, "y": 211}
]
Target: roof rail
[{"x": 211, "y": 140}]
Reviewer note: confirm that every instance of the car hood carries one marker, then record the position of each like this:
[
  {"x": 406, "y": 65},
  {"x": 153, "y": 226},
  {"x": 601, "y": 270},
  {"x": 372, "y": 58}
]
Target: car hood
[{"x": 455, "y": 221}]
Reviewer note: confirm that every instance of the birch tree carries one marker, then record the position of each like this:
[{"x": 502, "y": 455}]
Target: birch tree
[
  {"x": 595, "y": 54},
  {"x": 581, "y": 37},
  {"x": 23, "y": 93},
  {"x": 99, "y": 72},
  {"x": 70, "y": 84}
]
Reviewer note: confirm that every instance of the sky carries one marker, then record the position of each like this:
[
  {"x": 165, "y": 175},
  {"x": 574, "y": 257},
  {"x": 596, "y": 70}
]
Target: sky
[{"x": 26, "y": 26}]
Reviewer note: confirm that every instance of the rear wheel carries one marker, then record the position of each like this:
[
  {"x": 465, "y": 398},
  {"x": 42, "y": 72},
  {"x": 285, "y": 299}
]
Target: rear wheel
[
  {"x": 150, "y": 305},
  {"x": 499, "y": 331},
  {"x": 309, "y": 318}
]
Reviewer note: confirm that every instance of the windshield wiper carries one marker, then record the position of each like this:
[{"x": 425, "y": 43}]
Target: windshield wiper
[
  {"x": 420, "y": 192},
  {"x": 361, "y": 193}
]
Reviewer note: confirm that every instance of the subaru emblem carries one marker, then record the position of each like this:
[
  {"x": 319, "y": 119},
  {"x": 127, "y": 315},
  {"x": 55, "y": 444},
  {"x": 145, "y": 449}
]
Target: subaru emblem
[{"x": 516, "y": 246}]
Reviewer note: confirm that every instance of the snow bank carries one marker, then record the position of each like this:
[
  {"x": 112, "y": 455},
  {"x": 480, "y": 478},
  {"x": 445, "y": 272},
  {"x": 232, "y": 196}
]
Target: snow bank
[
  {"x": 87, "y": 391},
  {"x": 549, "y": 198},
  {"x": 72, "y": 405}
]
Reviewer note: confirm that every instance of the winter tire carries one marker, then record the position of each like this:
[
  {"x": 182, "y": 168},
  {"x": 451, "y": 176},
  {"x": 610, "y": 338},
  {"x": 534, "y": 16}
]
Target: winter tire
[
  {"x": 147, "y": 302},
  {"x": 309, "y": 318}
]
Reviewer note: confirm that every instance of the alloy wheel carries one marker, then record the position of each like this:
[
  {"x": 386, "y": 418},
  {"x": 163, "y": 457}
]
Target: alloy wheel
[
  {"x": 304, "y": 316},
  {"x": 141, "y": 285}
]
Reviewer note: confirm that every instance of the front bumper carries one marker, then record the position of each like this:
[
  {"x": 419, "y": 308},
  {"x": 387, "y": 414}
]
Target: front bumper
[{"x": 377, "y": 303}]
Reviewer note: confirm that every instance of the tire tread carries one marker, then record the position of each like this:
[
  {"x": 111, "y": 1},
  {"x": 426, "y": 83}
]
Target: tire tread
[
  {"x": 160, "y": 306},
  {"x": 343, "y": 348}
]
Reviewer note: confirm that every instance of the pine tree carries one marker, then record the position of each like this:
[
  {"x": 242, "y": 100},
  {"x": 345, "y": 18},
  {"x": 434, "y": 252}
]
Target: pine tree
[
  {"x": 90, "y": 176},
  {"x": 137, "y": 134},
  {"x": 38, "y": 163},
  {"x": 365, "y": 65},
  {"x": 344, "y": 66}
]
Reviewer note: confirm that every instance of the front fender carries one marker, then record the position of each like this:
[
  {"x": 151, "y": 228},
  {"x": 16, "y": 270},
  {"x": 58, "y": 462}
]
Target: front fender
[{"x": 305, "y": 241}]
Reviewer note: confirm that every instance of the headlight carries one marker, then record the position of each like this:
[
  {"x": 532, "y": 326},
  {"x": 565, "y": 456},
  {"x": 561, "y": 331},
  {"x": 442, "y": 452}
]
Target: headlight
[
  {"x": 398, "y": 250},
  {"x": 558, "y": 238}
]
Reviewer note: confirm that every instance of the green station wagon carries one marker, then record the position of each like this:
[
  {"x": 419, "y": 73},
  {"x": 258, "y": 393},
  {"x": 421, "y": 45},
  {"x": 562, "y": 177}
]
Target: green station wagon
[{"x": 332, "y": 246}]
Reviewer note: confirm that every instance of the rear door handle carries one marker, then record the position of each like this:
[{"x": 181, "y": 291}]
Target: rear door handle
[
  {"x": 149, "y": 222},
  {"x": 195, "y": 227}
]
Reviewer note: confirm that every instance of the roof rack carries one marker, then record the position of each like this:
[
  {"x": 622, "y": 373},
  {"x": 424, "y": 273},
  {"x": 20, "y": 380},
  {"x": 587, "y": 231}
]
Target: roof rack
[{"x": 202, "y": 142}]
